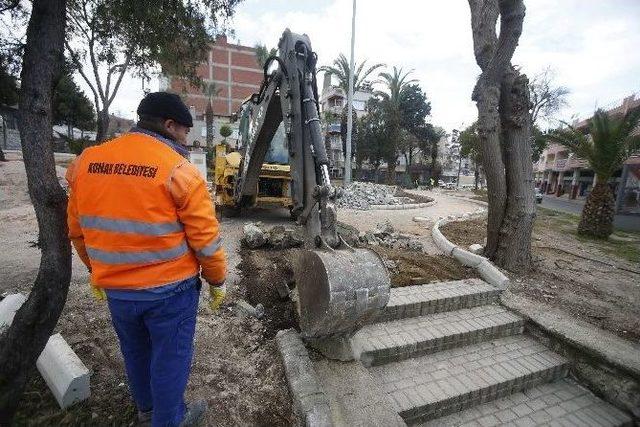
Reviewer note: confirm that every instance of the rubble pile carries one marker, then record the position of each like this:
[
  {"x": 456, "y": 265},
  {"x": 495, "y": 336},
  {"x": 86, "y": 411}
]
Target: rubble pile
[
  {"x": 385, "y": 235},
  {"x": 361, "y": 195},
  {"x": 255, "y": 236}
]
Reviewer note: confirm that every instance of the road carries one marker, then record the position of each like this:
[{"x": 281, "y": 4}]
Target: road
[{"x": 620, "y": 222}]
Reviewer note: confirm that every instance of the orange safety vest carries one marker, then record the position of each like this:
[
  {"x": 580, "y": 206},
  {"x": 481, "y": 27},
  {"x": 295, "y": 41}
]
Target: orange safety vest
[{"x": 124, "y": 216}]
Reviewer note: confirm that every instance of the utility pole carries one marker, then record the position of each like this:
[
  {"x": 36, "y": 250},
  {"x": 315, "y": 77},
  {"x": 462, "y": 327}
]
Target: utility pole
[{"x": 347, "y": 159}]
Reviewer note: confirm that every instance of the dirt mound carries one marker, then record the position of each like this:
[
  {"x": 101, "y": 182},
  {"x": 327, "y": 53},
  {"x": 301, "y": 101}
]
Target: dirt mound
[{"x": 417, "y": 268}]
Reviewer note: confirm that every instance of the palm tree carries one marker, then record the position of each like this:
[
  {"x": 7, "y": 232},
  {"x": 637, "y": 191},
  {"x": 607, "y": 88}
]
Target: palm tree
[
  {"x": 342, "y": 71},
  {"x": 396, "y": 84},
  {"x": 210, "y": 90},
  {"x": 611, "y": 141},
  {"x": 262, "y": 53}
]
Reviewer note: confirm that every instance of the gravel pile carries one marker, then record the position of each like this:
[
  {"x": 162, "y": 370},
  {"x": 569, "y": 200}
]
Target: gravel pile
[
  {"x": 385, "y": 235},
  {"x": 361, "y": 195}
]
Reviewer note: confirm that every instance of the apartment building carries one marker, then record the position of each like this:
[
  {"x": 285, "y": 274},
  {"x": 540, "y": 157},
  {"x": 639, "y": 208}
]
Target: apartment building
[
  {"x": 563, "y": 174},
  {"x": 332, "y": 101},
  {"x": 236, "y": 74}
]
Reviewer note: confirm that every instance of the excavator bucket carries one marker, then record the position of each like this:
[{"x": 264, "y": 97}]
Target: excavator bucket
[{"x": 339, "y": 290}]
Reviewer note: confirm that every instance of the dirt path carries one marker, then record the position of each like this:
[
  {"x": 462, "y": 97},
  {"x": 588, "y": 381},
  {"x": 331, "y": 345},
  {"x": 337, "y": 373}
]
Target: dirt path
[{"x": 589, "y": 279}]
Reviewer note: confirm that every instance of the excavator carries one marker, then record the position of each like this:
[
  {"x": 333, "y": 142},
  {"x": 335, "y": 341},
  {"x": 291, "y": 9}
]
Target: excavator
[{"x": 339, "y": 287}]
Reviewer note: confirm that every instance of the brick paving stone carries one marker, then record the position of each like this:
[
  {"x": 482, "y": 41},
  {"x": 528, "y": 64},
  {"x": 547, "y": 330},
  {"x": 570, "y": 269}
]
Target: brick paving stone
[
  {"x": 466, "y": 387},
  {"x": 419, "y": 300},
  {"x": 517, "y": 409},
  {"x": 401, "y": 339}
]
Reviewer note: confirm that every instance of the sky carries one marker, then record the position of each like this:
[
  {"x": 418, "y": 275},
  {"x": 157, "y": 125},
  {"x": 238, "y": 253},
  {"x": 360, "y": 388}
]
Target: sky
[{"x": 592, "y": 46}]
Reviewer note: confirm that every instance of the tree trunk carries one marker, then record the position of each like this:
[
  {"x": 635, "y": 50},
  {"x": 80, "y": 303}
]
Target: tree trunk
[
  {"x": 4, "y": 139},
  {"x": 598, "y": 212},
  {"x": 434, "y": 161},
  {"x": 514, "y": 248},
  {"x": 33, "y": 324},
  {"x": 493, "y": 55},
  {"x": 102, "y": 121},
  {"x": 488, "y": 131},
  {"x": 209, "y": 124},
  {"x": 476, "y": 178},
  {"x": 391, "y": 173}
]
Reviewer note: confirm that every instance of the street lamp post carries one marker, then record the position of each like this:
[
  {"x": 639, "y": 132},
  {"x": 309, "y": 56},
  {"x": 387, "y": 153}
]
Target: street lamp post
[{"x": 347, "y": 160}]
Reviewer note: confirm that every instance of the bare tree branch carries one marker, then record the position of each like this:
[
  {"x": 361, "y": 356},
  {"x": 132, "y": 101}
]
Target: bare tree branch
[
  {"x": 123, "y": 70},
  {"x": 76, "y": 61}
]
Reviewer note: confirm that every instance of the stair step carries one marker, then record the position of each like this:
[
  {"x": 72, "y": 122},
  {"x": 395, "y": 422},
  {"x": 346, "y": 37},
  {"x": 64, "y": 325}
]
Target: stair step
[
  {"x": 380, "y": 343},
  {"x": 564, "y": 402},
  {"x": 418, "y": 300},
  {"x": 429, "y": 387}
]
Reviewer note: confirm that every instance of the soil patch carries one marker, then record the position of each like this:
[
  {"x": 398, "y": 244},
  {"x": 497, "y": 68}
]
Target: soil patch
[
  {"x": 465, "y": 233},
  {"x": 263, "y": 272},
  {"x": 590, "y": 279},
  {"x": 416, "y": 268}
]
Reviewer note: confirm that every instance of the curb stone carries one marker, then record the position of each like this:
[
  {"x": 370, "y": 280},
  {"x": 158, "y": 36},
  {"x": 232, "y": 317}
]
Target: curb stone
[
  {"x": 487, "y": 270},
  {"x": 606, "y": 363},
  {"x": 310, "y": 402},
  {"x": 402, "y": 206},
  {"x": 61, "y": 368}
]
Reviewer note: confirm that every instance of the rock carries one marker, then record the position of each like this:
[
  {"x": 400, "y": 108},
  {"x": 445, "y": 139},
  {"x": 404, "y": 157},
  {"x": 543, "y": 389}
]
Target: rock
[
  {"x": 361, "y": 195},
  {"x": 476, "y": 249},
  {"x": 243, "y": 308},
  {"x": 283, "y": 290},
  {"x": 253, "y": 236},
  {"x": 383, "y": 229},
  {"x": 282, "y": 238}
]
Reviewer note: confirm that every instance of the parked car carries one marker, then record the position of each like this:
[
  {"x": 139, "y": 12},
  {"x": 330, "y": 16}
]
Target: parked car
[{"x": 538, "y": 195}]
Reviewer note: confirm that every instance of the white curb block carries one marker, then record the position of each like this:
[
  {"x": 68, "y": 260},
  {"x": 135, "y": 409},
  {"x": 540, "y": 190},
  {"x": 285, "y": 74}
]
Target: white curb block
[
  {"x": 467, "y": 258},
  {"x": 402, "y": 206},
  {"x": 61, "y": 368},
  {"x": 8, "y": 307},
  {"x": 64, "y": 372},
  {"x": 489, "y": 272},
  {"x": 441, "y": 242}
]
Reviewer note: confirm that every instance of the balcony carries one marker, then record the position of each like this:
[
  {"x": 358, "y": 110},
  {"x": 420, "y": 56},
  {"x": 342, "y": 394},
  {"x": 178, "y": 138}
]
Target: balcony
[{"x": 560, "y": 164}]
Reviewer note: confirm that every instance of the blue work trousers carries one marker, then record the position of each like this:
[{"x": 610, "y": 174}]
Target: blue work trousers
[{"x": 156, "y": 339}]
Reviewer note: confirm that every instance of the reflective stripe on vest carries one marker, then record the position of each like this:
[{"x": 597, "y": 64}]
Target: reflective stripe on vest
[
  {"x": 137, "y": 257},
  {"x": 211, "y": 248},
  {"x": 128, "y": 226}
]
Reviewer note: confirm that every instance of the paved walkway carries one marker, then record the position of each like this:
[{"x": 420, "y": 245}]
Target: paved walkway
[
  {"x": 620, "y": 222},
  {"x": 448, "y": 354}
]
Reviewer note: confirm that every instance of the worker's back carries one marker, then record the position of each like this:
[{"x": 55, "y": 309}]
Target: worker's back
[{"x": 127, "y": 215}]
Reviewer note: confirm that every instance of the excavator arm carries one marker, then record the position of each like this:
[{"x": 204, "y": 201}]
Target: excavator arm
[
  {"x": 289, "y": 94},
  {"x": 339, "y": 288}
]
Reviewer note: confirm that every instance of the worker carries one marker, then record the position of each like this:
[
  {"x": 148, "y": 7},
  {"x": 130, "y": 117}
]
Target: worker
[{"x": 142, "y": 221}]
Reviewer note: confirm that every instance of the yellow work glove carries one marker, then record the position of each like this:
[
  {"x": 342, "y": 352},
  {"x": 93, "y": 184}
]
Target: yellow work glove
[
  {"x": 217, "y": 293},
  {"x": 98, "y": 293}
]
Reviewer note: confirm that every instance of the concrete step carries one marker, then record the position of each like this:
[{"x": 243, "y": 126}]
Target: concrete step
[
  {"x": 419, "y": 300},
  {"x": 435, "y": 385},
  {"x": 380, "y": 343},
  {"x": 562, "y": 403}
]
